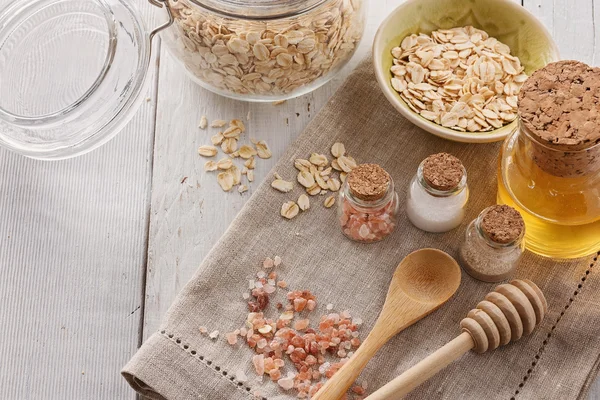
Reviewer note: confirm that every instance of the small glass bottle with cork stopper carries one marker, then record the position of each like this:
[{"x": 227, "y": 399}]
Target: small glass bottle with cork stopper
[
  {"x": 368, "y": 205},
  {"x": 493, "y": 244},
  {"x": 438, "y": 194}
]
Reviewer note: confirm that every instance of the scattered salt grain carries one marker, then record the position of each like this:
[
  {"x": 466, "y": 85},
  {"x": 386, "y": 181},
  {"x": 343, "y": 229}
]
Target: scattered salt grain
[
  {"x": 241, "y": 376},
  {"x": 301, "y": 324},
  {"x": 258, "y": 284},
  {"x": 251, "y": 284},
  {"x": 286, "y": 383},
  {"x": 243, "y": 331},
  {"x": 271, "y": 282},
  {"x": 269, "y": 289},
  {"x": 245, "y": 295},
  {"x": 231, "y": 338},
  {"x": 282, "y": 284},
  {"x": 214, "y": 334},
  {"x": 359, "y": 390},
  {"x": 357, "y": 321},
  {"x": 345, "y": 314},
  {"x": 261, "y": 274},
  {"x": 268, "y": 263},
  {"x": 203, "y": 330},
  {"x": 259, "y": 364},
  {"x": 277, "y": 261},
  {"x": 329, "y": 307}
]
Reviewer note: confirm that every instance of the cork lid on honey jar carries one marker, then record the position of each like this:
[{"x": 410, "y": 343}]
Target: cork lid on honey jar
[
  {"x": 559, "y": 105},
  {"x": 369, "y": 182}
]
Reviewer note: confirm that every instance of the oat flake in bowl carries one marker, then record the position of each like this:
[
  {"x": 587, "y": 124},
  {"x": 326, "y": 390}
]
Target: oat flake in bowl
[
  {"x": 460, "y": 78},
  {"x": 264, "y": 50},
  {"x": 504, "y": 20}
]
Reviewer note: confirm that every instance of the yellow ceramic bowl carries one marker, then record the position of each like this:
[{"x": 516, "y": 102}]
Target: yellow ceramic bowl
[{"x": 505, "y": 20}]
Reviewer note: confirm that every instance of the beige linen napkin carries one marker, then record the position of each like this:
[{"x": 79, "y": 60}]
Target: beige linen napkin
[{"x": 558, "y": 361}]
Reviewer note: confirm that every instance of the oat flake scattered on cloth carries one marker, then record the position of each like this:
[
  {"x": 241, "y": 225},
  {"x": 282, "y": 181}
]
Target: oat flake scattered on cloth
[{"x": 179, "y": 363}]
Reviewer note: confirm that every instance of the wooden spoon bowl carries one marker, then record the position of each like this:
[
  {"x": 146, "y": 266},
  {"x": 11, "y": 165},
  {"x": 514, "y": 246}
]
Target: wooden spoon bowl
[{"x": 422, "y": 282}]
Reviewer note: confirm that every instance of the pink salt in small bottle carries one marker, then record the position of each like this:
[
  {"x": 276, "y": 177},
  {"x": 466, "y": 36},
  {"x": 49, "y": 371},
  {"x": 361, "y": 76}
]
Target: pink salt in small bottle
[{"x": 368, "y": 205}]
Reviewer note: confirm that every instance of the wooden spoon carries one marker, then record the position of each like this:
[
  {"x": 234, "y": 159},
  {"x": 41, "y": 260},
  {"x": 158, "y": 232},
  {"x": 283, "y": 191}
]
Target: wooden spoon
[{"x": 423, "y": 281}]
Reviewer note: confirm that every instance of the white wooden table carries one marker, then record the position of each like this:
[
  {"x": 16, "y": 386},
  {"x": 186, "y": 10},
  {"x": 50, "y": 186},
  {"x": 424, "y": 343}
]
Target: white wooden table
[{"x": 93, "y": 250}]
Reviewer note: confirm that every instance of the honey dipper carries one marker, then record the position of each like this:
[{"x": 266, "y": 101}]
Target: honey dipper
[{"x": 509, "y": 312}]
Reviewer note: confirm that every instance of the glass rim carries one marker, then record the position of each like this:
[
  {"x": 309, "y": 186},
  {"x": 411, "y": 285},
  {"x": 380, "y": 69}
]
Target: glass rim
[
  {"x": 370, "y": 204},
  {"x": 265, "y": 15}
]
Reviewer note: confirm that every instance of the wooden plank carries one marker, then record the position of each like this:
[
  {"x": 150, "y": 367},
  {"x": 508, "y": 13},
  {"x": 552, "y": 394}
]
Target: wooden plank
[
  {"x": 573, "y": 26},
  {"x": 188, "y": 217},
  {"x": 73, "y": 240}
]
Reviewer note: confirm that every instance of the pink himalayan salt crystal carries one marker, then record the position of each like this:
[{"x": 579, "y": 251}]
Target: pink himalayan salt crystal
[
  {"x": 268, "y": 263},
  {"x": 275, "y": 374},
  {"x": 231, "y": 337},
  {"x": 269, "y": 289},
  {"x": 203, "y": 330},
  {"x": 311, "y": 305},
  {"x": 259, "y": 364},
  {"x": 262, "y": 343},
  {"x": 345, "y": 314},
  {"x": 286, "y": 383},
  {"x": 300, "y": 304},
  {"x": 359, "y": 390},
  {"x": 214, "y": 334},
  {"x": 301, "y": 324},
  {"x": 282, "y": 284},
  {"x": 277, "y": 261},
  {"x": 241, "y": 376},
  {"x": 243, "y": 331}
]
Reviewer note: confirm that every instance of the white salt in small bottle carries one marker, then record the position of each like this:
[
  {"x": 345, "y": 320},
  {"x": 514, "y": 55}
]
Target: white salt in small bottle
[
  {"x": 493, "y": 244},
  {"x": 438, "y": 194}
]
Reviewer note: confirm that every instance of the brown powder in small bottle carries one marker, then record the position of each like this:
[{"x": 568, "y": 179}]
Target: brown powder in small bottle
[
  {"x": 493, "y": 244},
  {"x": 369, "y": 182},
  {"x": 502, "y": 224},
  {"x": 442, "y": 171}
]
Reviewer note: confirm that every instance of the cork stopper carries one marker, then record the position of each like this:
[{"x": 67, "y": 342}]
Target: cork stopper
[
  {"x": 560, "y": 106},
  {"x": 502, "y": 224},
  {"x": 369, "y": 182},
  {"x": 443, "y": 171}
]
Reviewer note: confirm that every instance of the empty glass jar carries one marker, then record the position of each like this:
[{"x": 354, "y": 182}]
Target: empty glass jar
[{"x": 264, "y": 50}]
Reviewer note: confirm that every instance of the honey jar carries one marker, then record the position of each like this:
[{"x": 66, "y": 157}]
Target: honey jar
[{"x": 549, "y": 168}]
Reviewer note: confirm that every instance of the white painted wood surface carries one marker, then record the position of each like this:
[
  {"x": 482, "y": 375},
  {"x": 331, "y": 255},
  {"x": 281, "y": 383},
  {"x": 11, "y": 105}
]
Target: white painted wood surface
[
  {"x": 73, "y": 240},
  {"x": 75, "y": 236}
]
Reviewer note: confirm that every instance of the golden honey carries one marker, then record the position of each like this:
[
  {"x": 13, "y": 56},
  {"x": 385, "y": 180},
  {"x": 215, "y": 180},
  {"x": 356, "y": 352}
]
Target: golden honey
[{"x": 562, "y": 214}]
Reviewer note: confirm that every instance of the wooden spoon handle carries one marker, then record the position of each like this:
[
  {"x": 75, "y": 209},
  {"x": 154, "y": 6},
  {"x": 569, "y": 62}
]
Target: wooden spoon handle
[
  {"x": 425, "y": 369},
  {"x": 339, "y": 383}
]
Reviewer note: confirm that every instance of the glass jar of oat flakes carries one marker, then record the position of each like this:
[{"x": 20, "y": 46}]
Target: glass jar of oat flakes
[{"x": 264, "y": 50}]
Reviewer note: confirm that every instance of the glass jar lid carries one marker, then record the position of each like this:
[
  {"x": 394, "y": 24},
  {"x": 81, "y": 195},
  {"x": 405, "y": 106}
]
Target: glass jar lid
[
  {"x": 258, "y": 9},
  {"x": 71, "y": 74}
]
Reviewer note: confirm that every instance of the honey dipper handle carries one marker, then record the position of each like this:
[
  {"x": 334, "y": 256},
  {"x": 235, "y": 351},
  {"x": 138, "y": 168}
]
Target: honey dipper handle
[{"x": 428, "y": 367}]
